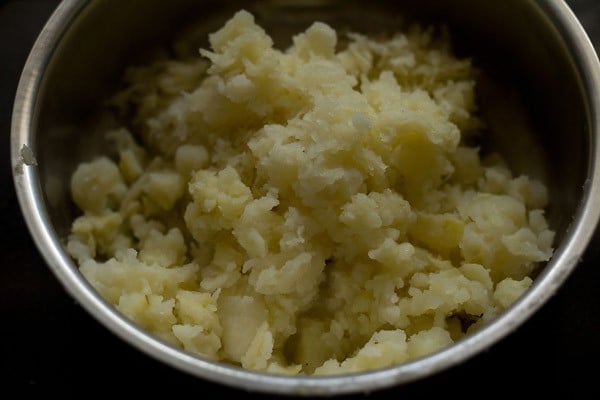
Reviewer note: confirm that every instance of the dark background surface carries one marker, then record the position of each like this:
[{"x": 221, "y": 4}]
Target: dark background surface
[{"x": 48, "y": 341}]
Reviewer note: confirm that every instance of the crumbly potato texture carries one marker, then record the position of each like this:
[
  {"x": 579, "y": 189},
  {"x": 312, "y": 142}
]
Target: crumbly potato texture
[{"x": 312, "y": 210}]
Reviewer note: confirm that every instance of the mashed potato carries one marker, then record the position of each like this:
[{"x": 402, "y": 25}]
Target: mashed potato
[{"x": 309, "y": 211}]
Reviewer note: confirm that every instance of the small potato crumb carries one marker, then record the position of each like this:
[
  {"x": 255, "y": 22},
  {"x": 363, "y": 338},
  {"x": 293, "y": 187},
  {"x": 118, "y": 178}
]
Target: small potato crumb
[
  {"x": 312, "y": 210},
  {"x": 27, "y": 156},
  {"x": 509, "y": 290}
]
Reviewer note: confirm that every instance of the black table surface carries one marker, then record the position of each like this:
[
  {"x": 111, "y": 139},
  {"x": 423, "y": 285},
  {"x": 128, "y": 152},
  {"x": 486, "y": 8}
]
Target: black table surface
[{"x": 49, "y": 342}]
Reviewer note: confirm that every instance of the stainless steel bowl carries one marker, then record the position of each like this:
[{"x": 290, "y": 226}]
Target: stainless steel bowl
[{"x": 542, "y": 73}]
